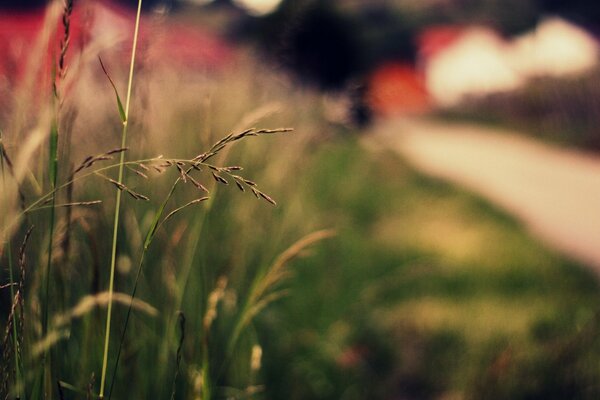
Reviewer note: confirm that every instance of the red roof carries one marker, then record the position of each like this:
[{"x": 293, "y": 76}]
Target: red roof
[
  {"x": 436, "y": 38},
  {"x": 161, "y": 42},
  {"x": 396, "y": 88}
]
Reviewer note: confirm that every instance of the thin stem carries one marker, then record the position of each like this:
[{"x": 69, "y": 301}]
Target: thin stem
[
  {"x": 147, "y": 242},
  {"x": 118, "y": 205},
  {"x": 53, "y": 178},
  {"x": 127, "y": 316},
  {"x": 202, "y": 162},
  {"x": 12, "y": 290},
  {"x": 14, "y": 322},
  {"x": 44, "y": 198}
]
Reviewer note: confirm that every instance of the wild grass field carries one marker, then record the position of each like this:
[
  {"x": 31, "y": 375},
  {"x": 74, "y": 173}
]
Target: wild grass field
[
  {"x": 367, "y": 280},
  {"x": 429, "y": 292}
]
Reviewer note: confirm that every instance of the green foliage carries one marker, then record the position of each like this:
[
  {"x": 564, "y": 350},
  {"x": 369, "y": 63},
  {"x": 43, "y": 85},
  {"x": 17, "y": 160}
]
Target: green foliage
[
  {"x": 563, "y": 366},
  {"x": 387, "y": 309}
]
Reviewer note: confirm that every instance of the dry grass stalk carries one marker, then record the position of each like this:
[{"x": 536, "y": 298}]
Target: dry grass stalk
[
  {"x": 22, "y": 261},
  {"x": 220, "y": 179},
  {"x": 122, "y": 187},
  {"x": 196, "y": 183},
  {"x": 49, "y": 340},
  {"x": 225, "y": 141},
  {"x": 294, "y": 251},
  {"x": 213, "y": 300},
  {"x": 138, "y": 173},
  {"x": 91, "y": 160},
  {"x": 5, "y": 159},
  {"x": 259, "y": 296},
  {"x": 185, "y": 173},
  {"x": 240, "y": 186},
  {"x": 89, "y": 302},
  {"x": 182, "y": 173},
  {"x": 8, "y": 351},
  {"x": 143, "y": 166},
  {"x": 67, "y": 205},
  {"x": 16, "y": 310},
  {"x": 276, "y": 272},
  {"x": 64, "y": 43},
  {"x": 256, "y": 358},
  {"x": 23, "y": 162},
  {"x": 79, "y": 203},
  {"x": 178, "y": 209}
]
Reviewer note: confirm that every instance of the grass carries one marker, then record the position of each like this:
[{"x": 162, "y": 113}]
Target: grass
[
  {"x": 425, "y": 291},
  {"x": 430, "y": 275},
  {"x": 113, "y": 258},
  {"x": 66, "y": 300}
]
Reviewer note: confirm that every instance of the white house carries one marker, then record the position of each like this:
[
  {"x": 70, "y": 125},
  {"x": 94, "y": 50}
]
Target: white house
[
  {"x": 555, "y": 48},
  {"x": 474, "y": 63},
  {"x": 477, "y": 61}
]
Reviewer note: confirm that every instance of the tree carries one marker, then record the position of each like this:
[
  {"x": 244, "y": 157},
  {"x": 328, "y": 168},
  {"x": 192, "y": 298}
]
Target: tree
[{"x": 586, "y": 12}]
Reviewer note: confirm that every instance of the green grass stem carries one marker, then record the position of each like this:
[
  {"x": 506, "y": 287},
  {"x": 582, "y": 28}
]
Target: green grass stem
[
  {"x": 118, "y": 204},
  {"x": 147, "y": 242},
  {"x": 53, "y": 179}
]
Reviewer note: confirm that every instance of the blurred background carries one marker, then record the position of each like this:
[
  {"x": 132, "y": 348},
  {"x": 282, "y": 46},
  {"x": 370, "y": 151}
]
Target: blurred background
[{"x": 451, "y": 144}]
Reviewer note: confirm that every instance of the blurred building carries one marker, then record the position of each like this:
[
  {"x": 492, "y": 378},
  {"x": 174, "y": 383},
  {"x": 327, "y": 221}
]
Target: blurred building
[
  {"x": 396, "y": 88},
  {"x": 555, "y": 48},
  {"x": 459, "y": 62},
  {"x": 462, "y": 62},
  {"x": 104, "y": 28}
]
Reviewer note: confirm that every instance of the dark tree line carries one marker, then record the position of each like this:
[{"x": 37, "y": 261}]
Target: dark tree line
[
  {"x": 327, "y": 45},
  {"x": 330, "y": 43}
]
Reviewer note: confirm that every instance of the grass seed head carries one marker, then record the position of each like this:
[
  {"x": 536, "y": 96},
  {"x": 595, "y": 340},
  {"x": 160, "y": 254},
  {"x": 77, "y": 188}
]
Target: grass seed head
[{"x": 220, "y": 179}]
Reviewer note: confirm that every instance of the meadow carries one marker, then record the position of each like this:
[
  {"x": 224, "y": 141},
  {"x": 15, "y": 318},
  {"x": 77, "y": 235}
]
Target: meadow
[{"x": 366, "y": 280}]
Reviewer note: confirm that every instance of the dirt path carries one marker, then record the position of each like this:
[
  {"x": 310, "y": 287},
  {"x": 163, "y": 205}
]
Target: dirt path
[{"x": 555, "y": 192}]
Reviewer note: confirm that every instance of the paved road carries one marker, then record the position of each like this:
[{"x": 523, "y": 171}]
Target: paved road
[{"x": 555, "y": 192}]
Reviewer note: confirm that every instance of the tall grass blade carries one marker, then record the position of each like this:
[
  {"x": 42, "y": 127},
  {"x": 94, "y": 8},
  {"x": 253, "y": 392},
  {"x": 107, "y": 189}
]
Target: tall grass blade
[
  {"x": 124, "y": 118},
  {"x": 156, "y": 222},
  {"x": 122, "y": 113},
  {"x": 5, "y": 160},
  {"x": 259, "y": 296},
  {"x": 53, "y": 178}
]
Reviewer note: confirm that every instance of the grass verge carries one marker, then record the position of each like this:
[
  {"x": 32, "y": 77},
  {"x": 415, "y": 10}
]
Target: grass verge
[{"x": 425, "y": 291}]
